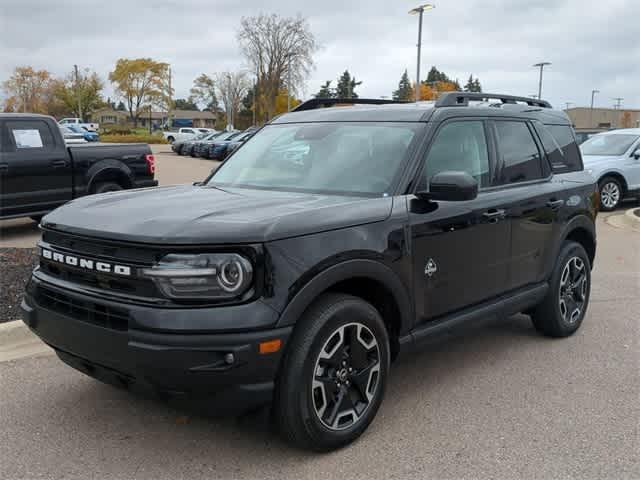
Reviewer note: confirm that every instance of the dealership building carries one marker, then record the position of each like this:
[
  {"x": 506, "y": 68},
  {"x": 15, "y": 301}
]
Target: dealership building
[{"x": 585, "y": 118}]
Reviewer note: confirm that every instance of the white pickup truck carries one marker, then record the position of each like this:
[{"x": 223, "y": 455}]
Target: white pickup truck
[
  {"x": 92, "y": 127},
  {"x": 184, "y": 133}
]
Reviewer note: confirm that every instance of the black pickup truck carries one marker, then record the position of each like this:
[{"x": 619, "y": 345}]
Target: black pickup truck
[
  {"x": 38, "y": 172},
  {"x": 330, "y": 243}
]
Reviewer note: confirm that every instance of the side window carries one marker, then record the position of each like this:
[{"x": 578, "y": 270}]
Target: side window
[
  {"x": 520, "y": 155},
  {"x": 460, "y": 146},
  {"x": 188, "y": 130},
  {"x": 29, "y": 134},
  {"x": 571, "y": 160}
]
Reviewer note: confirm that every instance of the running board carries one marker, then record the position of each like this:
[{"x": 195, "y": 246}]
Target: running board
[{"x": 504, "y": 306}]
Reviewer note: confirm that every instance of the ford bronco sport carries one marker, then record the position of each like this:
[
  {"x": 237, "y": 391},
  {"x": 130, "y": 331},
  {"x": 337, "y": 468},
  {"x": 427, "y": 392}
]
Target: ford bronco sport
[{"x": 328, "y": 244}]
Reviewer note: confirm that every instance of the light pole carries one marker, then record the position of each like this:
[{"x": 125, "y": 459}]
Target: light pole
[
  {"x": 567, "y": 105},
  {"x": 420, "y": 10},
  {"x": 541, "y": 65},
  {"x": 593, "y": 96}
]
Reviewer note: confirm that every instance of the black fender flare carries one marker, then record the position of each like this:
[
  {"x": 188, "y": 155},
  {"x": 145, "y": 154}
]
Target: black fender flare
[
  {"x": 345, "y": 270},
  {"x": 108, "y": 165},
  {"x": 581, "y": 221}
]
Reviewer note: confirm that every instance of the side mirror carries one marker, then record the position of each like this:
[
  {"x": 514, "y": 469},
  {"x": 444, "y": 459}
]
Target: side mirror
[
  {"x": 451, "y": 186},
  {"x": 636, "y": 154}
]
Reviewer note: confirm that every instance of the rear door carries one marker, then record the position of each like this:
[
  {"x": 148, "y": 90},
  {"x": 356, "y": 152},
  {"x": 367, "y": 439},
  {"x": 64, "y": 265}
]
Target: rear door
[
  {"x": 36, "y": 176},
  {"x": 533, "y": 200},
  {"x": 460, "y": 250}
]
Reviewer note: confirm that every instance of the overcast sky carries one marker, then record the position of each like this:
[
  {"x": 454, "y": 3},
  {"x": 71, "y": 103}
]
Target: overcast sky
[{"x": 591, "y": 44}]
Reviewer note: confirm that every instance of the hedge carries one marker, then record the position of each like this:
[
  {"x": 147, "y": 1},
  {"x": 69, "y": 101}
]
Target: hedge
[{"x": 132, "y": 139}]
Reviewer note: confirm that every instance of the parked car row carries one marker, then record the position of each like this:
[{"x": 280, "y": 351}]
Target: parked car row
[
  {"x": 214, "y": 146},
  {"x": 186, "y": 133}
]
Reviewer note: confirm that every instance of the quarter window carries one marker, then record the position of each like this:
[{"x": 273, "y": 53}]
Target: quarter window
[
  {"x": 520, "y": 156},
  {"x": 458, "y": 146}
]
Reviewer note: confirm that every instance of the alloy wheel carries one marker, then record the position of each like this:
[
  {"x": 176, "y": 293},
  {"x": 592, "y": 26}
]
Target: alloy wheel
[
  {"x": 610, "y": 194},
  {"x": 346, "y": 376},
  {"x": 573, "y": 290}
]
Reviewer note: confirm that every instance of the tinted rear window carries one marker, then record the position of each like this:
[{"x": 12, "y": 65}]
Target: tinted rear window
[{"x": 561, "y": 148}]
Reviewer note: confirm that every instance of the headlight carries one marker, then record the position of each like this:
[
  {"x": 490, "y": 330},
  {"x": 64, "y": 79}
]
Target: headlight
[{"x": 202, "y": 276}]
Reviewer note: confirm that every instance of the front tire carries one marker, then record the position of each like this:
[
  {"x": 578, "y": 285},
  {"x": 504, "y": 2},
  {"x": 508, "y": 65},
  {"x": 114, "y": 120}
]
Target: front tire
[
  {"x": 562, "y": 311},
  {"x": 610, "y": 193},
  {"x": 334, "y": 374}
]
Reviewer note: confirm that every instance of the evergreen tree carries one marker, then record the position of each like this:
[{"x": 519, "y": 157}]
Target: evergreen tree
[
  {"x": 346, "y": 86},
  {"x": 404, "y": 91},
  {"x": 436, "y": 75},
  {"x": 326, "y": 91},
  {"x": 476, "y": 85},
  {"x": 473, "y": 85}
]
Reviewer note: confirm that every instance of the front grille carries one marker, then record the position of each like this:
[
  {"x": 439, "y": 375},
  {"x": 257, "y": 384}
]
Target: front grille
[{"x": 82, "y": 310}]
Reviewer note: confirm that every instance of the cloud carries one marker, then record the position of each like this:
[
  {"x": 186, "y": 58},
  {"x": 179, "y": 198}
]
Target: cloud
[{"x": 591, "y": 45}]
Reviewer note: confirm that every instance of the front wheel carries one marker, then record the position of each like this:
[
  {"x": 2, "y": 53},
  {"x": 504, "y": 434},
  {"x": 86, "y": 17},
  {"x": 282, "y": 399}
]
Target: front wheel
[
  {"x": 561, "y": 312},
  {"x": 334, "y": 374},
  {"x": 610, "y": 193}
]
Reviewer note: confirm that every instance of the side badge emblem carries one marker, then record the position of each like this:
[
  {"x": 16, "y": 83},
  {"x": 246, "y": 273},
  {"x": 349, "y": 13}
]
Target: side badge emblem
[{"x": 430, "y": 268}]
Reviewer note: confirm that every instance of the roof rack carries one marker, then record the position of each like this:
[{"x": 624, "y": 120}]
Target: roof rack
[
  {"x": 330, "y": 102},
  {"x": 461, "y": 99}
]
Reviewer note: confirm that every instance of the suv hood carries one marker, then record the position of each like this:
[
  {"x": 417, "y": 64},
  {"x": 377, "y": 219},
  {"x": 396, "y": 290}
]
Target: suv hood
[{"x": 188, "y": 214}]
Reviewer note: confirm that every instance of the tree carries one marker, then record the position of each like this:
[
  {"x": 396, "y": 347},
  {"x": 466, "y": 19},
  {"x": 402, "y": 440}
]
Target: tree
[
  {"x": 185, "y": 104},
  {"x": 346, "y": 86},
  {"x": 28, "y": 90},
  {"x": 405, "y": 90},
  {"x": 472, "y": 85},
  {"x": 203, "y": 93},
  {"x": 79, "y": 96},
  {"x": 326, "y": 91},
  {"x": 142, "y": 83},
  {"x": 279, "y": 50},
  {"x": 232, "y": 88},
  {"x": 436, "y": 75}
]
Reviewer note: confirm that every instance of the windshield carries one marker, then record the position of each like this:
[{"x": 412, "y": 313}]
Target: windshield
[
  {"x": 611, "y": 144},
  {"x": 358, "y": 158}
]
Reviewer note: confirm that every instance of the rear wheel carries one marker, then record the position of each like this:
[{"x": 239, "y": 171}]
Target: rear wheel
[
  {"x": 561, "y": 312},
  {"x": 610, "y": 193},
  {"x": 334, "y": 374},
  {"x": 103, "y": 187},
  {"x": 171, "y": 139}
]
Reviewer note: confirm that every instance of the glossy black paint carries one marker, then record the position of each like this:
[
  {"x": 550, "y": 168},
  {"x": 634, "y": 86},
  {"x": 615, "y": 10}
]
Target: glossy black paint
[
  {"x": 35, "y": 181},
  {"x": 428, "y": 265}
]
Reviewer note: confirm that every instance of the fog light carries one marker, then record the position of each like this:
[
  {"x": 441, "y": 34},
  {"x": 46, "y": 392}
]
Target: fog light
[{"x": 229, "y": 358}]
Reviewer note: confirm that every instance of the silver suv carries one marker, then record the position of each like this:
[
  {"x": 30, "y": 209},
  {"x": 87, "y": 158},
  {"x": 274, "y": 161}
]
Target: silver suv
[{"x": 613, "y": 158}]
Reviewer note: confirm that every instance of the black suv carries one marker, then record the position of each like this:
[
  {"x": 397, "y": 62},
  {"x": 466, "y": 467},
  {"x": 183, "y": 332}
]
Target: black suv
[{"x": 331, "y": 242}]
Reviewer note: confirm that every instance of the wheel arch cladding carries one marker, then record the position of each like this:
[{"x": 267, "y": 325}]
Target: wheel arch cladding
[
  {"x": 585, "y": 238},
  {"x": 370, "y": 280}
]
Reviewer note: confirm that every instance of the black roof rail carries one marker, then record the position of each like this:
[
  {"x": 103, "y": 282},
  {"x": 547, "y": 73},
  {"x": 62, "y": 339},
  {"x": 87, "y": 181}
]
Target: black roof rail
[
  {"x": 461, "y": 99},
  {"x": 329, "y": 102}
]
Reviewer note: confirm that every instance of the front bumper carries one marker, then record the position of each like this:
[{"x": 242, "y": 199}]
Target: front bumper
[{"x": 185, "y": 363}]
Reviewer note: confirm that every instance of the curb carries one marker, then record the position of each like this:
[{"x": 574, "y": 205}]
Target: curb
[
  {"x": 628, "y": 219},
  {"x": 14, "y": 331}
]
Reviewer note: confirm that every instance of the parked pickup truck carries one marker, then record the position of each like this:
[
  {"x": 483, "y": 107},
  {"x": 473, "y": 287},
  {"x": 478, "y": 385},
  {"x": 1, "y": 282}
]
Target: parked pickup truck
[
  {"x": 92, "y": 127},
  {"x": 39, "y": 172},
  {"x": 186, "y": 133}
]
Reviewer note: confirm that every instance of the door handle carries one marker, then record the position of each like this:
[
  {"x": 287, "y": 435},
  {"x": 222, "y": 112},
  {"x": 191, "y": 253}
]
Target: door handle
[
  {"x": 58, "y": 163},
  {"x": 494, "y": 214},
  {"x": 555, "y": 204}
]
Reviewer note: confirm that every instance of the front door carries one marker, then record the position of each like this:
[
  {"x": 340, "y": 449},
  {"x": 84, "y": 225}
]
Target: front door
[
  {"x": 36, "y": 171},
  {"x": 460, "y": 250}
]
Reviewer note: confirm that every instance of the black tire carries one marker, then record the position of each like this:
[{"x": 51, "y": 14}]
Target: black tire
[
  {"x": 611, "y": 193},
  {"x": 103, "y": 187},
  {"x": 557, "y": 315},
  {"x": 171, "y": 139},
  {"x": 299, "y": 397}
]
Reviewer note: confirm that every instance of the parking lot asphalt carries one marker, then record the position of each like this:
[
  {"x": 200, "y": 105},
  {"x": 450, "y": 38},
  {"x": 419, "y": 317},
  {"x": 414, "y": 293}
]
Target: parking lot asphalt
[
  {"x": 494, "y": 401},
  {"x": 171, "y": 169}
]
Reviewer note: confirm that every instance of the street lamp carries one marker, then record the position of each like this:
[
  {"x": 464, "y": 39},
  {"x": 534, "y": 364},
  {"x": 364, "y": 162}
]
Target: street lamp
[
  {"x": 541, "y": 65},
  {"x": 593, "y": 95},
  {"x": 420, "y": 10}
]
